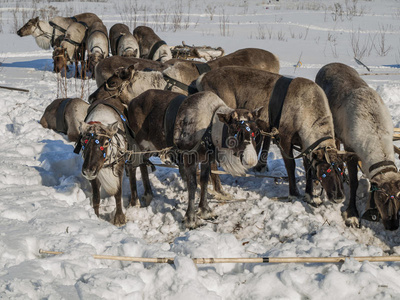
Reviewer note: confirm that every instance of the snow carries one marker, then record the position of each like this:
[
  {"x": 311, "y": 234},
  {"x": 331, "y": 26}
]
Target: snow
[{"x": 45, "y": 201}]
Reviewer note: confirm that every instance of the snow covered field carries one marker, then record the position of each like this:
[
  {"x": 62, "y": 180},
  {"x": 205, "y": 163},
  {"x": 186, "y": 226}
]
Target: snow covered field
[{"x": 45, "y": 201}]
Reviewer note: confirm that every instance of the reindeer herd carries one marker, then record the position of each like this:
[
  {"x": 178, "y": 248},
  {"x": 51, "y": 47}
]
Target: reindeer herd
[{"x": 221, "y": 113}]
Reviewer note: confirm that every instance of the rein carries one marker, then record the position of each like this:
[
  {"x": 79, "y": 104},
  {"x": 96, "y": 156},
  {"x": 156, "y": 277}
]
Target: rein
[{"x": 171, "y": 82}]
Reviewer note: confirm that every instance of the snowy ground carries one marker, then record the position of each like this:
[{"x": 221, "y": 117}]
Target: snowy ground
[{"x": 45, "y": 202}]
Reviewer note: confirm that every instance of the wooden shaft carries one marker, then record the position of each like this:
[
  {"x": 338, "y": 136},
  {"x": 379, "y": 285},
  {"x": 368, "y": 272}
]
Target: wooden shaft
[
  {"x": 14, "y": 89},
  {"x": 245, "y": 259},
  {"x": 366, "y": 74}
]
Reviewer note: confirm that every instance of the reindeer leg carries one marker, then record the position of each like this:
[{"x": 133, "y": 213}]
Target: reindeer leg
[
  {"x": 205, "y": 211},
  {"x": 350, "y": 215},
  {"x": 190, "y": 171},
  {"x": 262, "y": 165},
  {"x": 119, "y": 218},
  {"x": 95, "y": 195},
  {"x": 148, "y": 194},
  {"x": 131, "y": 171},
  {"x": 290, "y": 165},
  {"x": 309, "y": 196},
  {"x": 216, "y": 180}
]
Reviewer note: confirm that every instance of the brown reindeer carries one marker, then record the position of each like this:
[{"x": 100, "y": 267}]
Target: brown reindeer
[
  {"x": 298, "y": 108},
  {"x": 196, "y": 129},
  {"x": 51, "y": 33},
  {"x": 106, "y": 68},
  {"x": 96, "y": 45},
  {"x": 151, "y": 46},
  {"x": 65, "y": 115},
  {"x": 104, "y": 140},
  {"x": 130, "y": 82},
  {"x": 122, "y": 42},
  {"x": 188, "y": 71},
  {"x": 364, "y": 125}
]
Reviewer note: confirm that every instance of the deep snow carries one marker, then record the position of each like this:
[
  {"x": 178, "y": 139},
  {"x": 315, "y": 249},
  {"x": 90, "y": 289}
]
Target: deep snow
[{"x": 45, "y": 202}]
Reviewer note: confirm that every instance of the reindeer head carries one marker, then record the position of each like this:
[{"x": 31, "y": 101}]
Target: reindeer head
[
  {"x": 93, "y": 59},
  {"x": 115, "y": 86},
  {"x": 241, "y": 134},
  {"x": 385, "y": 192},
  {"x": 95, "y": 140},
  {"x": 328, "y": 170},
  {"x": 60, "y": 59},
  {"x": 29, "y": 27}
]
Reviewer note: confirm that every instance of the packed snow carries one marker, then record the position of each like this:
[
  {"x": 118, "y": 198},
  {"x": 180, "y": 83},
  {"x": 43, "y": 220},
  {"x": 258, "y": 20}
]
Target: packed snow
[{"x": 45, "y": 203}]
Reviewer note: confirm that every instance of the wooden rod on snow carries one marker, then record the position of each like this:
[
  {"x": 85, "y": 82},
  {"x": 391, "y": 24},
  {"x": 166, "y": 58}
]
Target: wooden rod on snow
[
  {"x": 14, "y": 89},
  {"x": 245, "y": 259},
  {"x": 365, "y": 74}
]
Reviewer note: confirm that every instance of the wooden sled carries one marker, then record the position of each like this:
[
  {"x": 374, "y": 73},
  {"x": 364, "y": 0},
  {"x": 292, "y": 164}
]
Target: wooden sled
[{"x": 193, "y": 52}]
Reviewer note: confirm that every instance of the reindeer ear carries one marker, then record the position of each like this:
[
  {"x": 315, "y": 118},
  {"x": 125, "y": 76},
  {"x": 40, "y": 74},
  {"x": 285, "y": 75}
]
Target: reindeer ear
[
  {"x": 113, "y": 128},
  {"x": 257, "y": 112},
  {"x": 36, "y": 20},
  {"x": 224, "y": 118},
  {"x": 127, "y": 73}
]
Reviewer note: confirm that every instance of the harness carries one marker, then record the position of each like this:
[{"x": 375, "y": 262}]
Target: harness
[
  {"x": 56, "y": 27},
  {"x": 155, "y": 47},
  {"x": 128, "y": 133},
  {"x": 117, "y": 43},
  {"x": 372, "y": 212},
  {"x": 169, "y": 126},
  {"x": 171, "y": 82},
  {"x": 202, "y": 68},
  {"x": 61, "y": 126}
]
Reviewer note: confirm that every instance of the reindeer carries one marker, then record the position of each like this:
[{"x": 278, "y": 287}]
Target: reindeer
[
  {"x": 188, "y": 71},
  {"x": 104, "y": 141},
  {"x": 150, "y": 44},
  {"x": 299, "y": 110},
  {"x": 196, "y": 129},
  {"x": 72, "y": 49},
  {"x": 51, "y": 33},
  {"x": 123, "y": 43},
  {"x": 96, "y": 45},
  {"x": 106, "y": 68},
  {"x": 178, "y": 77},
  {"x": 65, "y": 115},
  {"x": 364, "y": 125}
]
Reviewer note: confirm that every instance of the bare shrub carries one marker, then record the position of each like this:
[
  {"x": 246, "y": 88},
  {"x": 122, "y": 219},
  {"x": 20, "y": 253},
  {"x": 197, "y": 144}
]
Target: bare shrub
[
  {"x": 361, "y": 47},
  {"x": 210, "y": 10},
  {"x": 224, "y": 24},
  {"x": 281, "y": 36},
  {"x": 128, "y": 10},
  {"x": 337, "y": 12},
  {"x": 382, "y": 48}
]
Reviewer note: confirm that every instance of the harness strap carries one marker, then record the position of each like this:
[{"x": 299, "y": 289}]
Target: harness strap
[
  {"x": 74, "y": 19},
  {"x": 72, "y": 42},
  {"x": 277, "y": 100},
  {"x": 202, "y": 68},
  {"x": 101, "y": 50},
  {"x": 307, "y": 151},
  {"x": 61, "y": 126},
  {"x": 391, "y": 166},
  {"x": 55, "y": 26},
  {"x": 117, "y": 42},
  {"x": 84, "y": 24},
  {"x": 155, "y": 48},
  {"x": 173, "y": 82},
  {"x": 170, "y": 117}
]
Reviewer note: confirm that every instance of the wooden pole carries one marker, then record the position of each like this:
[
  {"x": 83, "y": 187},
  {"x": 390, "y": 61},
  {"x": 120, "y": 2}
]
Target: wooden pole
[
  {"x": 14, "y": 89},
  {"x": 253, "y": 260},
  {"x": 366, "y": 74}
]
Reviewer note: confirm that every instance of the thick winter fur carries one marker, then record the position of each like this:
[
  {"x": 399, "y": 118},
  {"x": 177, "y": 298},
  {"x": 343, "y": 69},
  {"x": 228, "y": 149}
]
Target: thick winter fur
[
  {"x": 364, "y": 125},
  {"x": 146, "y": 38},
  {"x": 106, "y": 68},
  {"x": 305, "y": 116},
  {"x": 105, "y": 123},
  {"x": 42, "y": 31},
  {"x": 96, "y": 44},
  {"x": 186, "y": 71},
  {"x": 75, "y": 113},
  {"x": 122, "y": 42},
  {"x": 146, "y": 114}
]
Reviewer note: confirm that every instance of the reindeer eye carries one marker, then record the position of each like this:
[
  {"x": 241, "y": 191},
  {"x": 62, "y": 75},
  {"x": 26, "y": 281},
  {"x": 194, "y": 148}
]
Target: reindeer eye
[{"x": 106, "y": 143}]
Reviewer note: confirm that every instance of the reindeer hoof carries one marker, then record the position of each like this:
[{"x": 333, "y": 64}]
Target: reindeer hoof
[
  {"x": 119, "y": 219},
  {"x": 146, "y": 199},
  {"x": 191, "y": 222},
  {"x": 314, "y": 201},
  {"x": 134, "y": 203}
]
